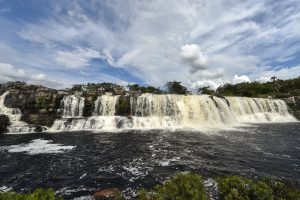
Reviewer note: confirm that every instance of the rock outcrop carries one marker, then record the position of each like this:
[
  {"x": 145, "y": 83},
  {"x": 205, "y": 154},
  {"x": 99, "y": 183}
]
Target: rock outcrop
[
  {"x": 4, "y": 123},
  {"x": 294, "y": 105},
  {"x": 107, "y": 194},
  {"x": 38, "y": 104}
]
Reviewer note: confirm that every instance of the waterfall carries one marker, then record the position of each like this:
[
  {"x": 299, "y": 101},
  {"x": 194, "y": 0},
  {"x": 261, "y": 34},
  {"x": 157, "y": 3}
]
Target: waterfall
[
  {"x": 72, "y": 106},
  {"x": 150, "y": 111},
  {"x": 106, "y": 105},
  {"x": 14, "y": 115}
]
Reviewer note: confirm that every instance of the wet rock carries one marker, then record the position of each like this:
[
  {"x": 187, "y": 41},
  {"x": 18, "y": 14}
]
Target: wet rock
[
  {"x": 4, "y": 123},
  {"x": 294, "y": 105},
  {"x": 123, "y": 107},
  {"x": 107, "y": 194}
]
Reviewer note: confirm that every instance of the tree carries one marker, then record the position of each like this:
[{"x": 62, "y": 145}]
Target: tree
[
  {"x": 141, "y": 89},
  {"x": 175, "y": 87},
  {"x": 77, "y": 88},
  {"x": 273, "y": 78},
  {"x": 206, "y": 90}
]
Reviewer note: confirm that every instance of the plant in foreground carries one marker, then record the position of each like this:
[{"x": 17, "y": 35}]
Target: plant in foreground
[
  {"x": 181, "y": 187},
  {"x": 38, "y": 194}
]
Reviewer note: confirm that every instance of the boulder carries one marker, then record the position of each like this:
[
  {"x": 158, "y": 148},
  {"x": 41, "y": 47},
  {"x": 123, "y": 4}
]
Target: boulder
[{"x": 107, "y": 194}]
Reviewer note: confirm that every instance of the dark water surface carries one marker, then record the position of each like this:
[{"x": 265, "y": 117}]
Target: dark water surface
[{"x": 131, "y": 159}]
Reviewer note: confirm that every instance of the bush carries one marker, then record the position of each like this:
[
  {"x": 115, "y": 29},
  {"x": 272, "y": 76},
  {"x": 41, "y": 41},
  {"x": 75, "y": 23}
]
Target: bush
[
  {"x": 38, "y": 194},
  {"x": 181, "y": 187},
  {"x": 43, "y": 102},
  {"x": 281, "y": 191},
  {"x": 238, "y": 188}
]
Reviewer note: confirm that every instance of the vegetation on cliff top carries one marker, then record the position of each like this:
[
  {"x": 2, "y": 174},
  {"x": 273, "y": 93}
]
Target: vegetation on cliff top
[{"x": 275, "y": 88}]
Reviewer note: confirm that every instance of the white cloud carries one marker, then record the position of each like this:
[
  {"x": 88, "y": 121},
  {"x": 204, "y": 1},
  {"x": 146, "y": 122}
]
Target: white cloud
[
  {"x": 158, "y": 41},
  {"x": 203, "y": 83},
  {"x": 240, "y": 79},
  {"x": 39, "y": 77},
  {"x": 9, "y": 72},
  {"x": 283, "y": 73},
  {"x": 192, "y": 56},
  {"x": 76, "y": 59}
]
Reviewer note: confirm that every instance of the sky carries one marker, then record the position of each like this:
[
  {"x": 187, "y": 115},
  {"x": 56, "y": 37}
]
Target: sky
[{"x": 58, "y": 43}]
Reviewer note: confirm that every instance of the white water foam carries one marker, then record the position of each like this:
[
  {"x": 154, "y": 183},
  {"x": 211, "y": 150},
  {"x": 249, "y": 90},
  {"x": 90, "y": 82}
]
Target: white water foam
[
  {"x": 5, "y": 189},
  {"x": 38, "y": 146}
]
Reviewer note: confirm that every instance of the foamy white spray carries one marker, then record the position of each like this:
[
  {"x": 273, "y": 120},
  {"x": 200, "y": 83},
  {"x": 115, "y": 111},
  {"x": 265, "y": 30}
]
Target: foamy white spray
[{"x": 38, "y": 146}]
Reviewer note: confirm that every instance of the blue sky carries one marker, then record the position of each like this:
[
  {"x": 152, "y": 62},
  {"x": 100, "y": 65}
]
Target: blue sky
[{"x": 198, "y": 42}]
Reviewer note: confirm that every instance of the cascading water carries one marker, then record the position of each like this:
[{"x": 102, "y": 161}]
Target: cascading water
[
  {"x": 73, "y": 106},
  {"x": 149, "y": 111},
  {"x": 103, "y": 115},
  {"x": 105, "y": 105},
  {"x": 14, "y": 115}
]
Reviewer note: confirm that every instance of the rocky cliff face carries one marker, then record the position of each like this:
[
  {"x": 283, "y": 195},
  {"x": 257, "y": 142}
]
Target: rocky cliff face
[
  {"x": 4, "y": 123},
  {"x": 294, "y": 105},
  {"x": 38, "y": 104}
]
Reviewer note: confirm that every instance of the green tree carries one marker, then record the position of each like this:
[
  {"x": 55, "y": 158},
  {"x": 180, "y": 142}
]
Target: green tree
[
  {"x": 175, "y": 87},
  {"x": 206, "y": 90}
]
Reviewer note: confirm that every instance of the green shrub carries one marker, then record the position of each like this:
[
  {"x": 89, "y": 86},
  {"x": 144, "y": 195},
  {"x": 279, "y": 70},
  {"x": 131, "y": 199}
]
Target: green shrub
[
  {"x": 43, "y": 102},
  {"x": 282, "y": 191},
  {"x": 181, "y": 187},
  {"x": 238, "y": 188},
  {"x": 38, "y": 194}
]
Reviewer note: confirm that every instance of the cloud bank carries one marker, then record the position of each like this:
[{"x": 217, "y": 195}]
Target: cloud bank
[{"x": 197, "y": 42}]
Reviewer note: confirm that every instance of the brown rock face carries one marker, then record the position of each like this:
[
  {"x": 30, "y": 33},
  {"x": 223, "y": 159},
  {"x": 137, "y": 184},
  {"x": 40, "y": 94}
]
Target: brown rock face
[
  {"x": 294, "y": 105},
  {"x": 110, "y": 193},
  {"x": 38, "y": 104}
]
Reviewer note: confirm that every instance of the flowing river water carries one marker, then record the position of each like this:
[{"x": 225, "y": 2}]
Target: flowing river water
[{"x": 77, "y": 164}]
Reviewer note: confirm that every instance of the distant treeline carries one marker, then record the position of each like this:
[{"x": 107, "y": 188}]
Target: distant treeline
[
  {"x": 275, "y": 88},
  {"x": 172, "y": 87}
]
